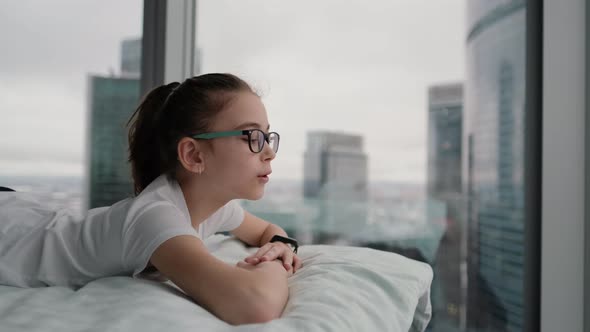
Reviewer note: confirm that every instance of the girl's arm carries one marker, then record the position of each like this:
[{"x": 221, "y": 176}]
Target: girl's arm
[
  {"x": 237, "y": 295},
  {"x": 257, "y": 232}
]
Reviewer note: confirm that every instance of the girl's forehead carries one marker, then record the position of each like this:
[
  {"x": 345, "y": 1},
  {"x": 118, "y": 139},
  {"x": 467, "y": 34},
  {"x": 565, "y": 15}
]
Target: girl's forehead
[{"x": 244, "y": 108}]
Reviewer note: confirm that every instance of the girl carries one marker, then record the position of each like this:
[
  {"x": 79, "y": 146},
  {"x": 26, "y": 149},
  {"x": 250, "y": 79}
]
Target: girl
[{"x": 194, "y": 148}]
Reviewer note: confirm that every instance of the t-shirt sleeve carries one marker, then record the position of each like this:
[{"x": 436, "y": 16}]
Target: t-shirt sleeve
[
  {"x": 147, "y": 230},
  {"x": 228, "y": 217}
]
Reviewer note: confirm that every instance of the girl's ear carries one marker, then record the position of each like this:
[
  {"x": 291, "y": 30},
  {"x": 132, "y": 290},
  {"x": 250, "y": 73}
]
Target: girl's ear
[{"x": 190, "y": 155}]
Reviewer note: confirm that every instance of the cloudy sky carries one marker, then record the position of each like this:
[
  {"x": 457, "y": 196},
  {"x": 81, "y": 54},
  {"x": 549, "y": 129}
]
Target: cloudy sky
[{"x": 350, "y": 66}]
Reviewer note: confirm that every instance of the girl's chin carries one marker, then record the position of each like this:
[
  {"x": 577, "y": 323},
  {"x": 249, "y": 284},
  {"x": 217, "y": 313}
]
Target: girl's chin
[
  {"x": 252, "y": 192},
  {"x": 256, "y": 195}
]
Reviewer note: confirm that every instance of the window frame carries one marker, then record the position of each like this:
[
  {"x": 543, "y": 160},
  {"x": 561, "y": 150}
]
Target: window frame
[
  {"x": 168, "y": 42},
  {"x": 564, "y": 168}
]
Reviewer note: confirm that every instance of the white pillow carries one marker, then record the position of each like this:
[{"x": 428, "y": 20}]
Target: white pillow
[{"x": 337, "y": 289}]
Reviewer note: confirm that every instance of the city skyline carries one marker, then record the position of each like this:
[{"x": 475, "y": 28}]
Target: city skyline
[{"x": 373, "y": 80}]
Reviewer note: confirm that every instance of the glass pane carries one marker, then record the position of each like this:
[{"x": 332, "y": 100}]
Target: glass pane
[
  {"x": 493, "y": 138},
  {"x": 70, "y": 80},
  {"x": 401, "y": 129}
]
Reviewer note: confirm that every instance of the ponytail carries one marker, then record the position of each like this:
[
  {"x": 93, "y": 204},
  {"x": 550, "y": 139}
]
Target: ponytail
[{"x": 145, "y": 150}]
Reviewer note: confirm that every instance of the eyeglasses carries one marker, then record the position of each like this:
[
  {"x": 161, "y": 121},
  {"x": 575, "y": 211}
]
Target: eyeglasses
[{"x": 256, "y": 138}]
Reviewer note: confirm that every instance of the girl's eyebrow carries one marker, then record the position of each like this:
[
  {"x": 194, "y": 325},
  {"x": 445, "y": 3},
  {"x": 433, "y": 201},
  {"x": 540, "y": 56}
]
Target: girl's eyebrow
[{"x": 250, "y": 125}]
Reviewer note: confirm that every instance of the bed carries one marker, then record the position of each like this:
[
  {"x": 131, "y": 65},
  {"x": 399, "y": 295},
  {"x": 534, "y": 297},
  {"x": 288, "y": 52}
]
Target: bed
[{"x": 339, "y": 288}]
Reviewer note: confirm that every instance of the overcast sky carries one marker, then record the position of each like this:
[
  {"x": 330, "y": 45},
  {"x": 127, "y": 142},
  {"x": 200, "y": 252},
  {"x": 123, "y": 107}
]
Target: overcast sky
[{"x": 351, "y": 66}]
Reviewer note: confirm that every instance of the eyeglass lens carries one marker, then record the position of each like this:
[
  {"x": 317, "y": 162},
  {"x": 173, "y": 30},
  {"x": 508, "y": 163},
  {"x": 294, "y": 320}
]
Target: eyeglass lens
[{"x": 257, "y": 141}]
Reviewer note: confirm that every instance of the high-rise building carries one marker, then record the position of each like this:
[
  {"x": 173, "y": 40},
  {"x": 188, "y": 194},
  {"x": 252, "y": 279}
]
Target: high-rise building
[
  {"x": 493, "y": 163},
  {"x": 445, "y": 113},
  {"x": 335, "y": 166},
  {"x": 131, "y": 58},
  {"x": 335, "y": 181},
  {"x": 111, "y": 102}
]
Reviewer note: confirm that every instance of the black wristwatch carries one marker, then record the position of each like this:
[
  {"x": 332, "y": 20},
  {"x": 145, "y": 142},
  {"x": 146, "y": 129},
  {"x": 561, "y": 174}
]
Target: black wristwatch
[{"x": 287, "y": 240}]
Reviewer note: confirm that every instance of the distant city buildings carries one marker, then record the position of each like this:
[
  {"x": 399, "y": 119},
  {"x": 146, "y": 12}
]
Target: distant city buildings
[
  {"x": 485, "y": 233},
  {"x": 493, "y": 141},
  {"x": 445, "y": 114},
  {"x": 335, "y": 182},
  {"x": 131, "y": 58},
  {"x": 335, "y": 167},
  {"x": 112, "y": 100}
]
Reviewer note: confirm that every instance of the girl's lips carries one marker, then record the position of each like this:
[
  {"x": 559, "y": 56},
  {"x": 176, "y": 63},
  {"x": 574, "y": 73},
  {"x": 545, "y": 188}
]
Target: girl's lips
[{"x": 263, "y": 178}]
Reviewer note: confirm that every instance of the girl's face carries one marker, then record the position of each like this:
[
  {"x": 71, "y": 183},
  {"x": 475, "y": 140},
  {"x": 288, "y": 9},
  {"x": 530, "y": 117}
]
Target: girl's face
[{"x": 236, "y": 171}]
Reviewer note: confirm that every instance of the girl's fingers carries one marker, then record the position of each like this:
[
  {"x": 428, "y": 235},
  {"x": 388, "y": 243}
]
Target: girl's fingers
[
  {"x": 278, "y": 250},
  {"x": 251, "y": 260},
  {"x": 272, "y": 254},
  {"x": 296, "y": 263},
  {"x": 255, "y": 258},
  {"x": 272, "y": 251},
  {"x": 242, "y": 264},
  {"x": 263, "y": 250},
  {"x": 287, "y": 259}
]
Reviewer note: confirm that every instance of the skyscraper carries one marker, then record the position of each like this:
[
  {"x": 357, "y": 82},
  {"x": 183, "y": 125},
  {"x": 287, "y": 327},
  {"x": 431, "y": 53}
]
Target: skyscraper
[
  {"x": 493, "y": 163},
  {"x": 335, "y": 166},
  {"x": 112, "y": 100},
  {"x": 445, "y": 113},
  {"x": 131, "y": 58},
  {"x": 335, "y": 180}
]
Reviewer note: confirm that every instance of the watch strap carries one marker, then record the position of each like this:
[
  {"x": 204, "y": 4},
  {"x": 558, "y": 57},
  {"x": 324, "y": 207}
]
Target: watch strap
[{"x": 286, "y": 240}]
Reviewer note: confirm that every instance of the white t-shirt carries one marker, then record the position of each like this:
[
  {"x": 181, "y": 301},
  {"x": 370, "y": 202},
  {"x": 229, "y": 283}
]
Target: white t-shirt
[{"x": 40, "y": 246}]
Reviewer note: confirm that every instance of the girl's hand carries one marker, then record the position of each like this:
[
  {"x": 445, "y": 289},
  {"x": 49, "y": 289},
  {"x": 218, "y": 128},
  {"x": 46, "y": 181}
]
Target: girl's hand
[
  {"x": 276, "y": 250},
  {"x": 253, "y": 267}
]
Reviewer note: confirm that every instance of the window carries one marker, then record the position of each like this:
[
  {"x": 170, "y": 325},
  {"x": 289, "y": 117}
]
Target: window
[
  {"x": 70, "y": 79},
  {"x": 402, "y": 127}
]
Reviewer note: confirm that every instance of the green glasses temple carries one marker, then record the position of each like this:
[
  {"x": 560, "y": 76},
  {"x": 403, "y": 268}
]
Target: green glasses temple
[{"x": 222, "y": 134}]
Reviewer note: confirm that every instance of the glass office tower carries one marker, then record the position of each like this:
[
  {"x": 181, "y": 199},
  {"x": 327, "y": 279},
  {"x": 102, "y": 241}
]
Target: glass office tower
[
  {"x": 493, "y": 163},
  {"x": 112, "y": 100}
]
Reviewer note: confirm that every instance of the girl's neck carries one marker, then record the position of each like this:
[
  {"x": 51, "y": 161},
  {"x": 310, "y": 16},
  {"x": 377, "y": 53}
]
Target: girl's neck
[{"x": 201, "y": 203}]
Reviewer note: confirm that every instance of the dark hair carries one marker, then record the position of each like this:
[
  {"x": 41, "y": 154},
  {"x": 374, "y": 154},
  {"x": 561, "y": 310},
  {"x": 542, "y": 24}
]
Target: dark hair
[{"x": 171, "y": 112}]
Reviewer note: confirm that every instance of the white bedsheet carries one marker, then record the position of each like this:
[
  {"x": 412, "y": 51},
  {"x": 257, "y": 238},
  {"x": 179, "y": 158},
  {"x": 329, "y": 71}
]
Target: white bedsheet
[{"x": 337, "y": 289}]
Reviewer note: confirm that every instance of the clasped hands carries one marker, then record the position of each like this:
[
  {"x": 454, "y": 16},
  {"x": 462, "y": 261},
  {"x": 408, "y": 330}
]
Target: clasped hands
[{"x": 270, "y": 252}]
